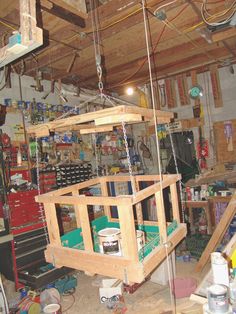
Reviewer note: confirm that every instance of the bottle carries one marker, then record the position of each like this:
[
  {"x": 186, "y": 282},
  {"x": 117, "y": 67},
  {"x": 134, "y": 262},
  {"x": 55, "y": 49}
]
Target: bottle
[
  {"x": 19, "y": 158},
  {"x": 203, "y": 224}
]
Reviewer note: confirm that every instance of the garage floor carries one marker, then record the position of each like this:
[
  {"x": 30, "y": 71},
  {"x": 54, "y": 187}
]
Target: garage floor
[{"x": 150, "y": 298}]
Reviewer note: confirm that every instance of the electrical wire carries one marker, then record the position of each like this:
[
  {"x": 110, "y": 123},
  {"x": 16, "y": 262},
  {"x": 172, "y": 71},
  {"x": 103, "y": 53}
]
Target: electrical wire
[
  {"x": 163, "y": 6},
  {"x": 154, "y": 50},
  {"x": 217, "y": 14},
  {"x": 73, "y": 302},
  {"x": 205, "y": 11},
  {"x": 195, "y": 45},
  {"x": 7, "y": 25}
]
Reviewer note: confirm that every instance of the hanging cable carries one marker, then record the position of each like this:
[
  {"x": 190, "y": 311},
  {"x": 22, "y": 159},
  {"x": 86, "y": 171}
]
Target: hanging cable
[
  {"x": 157, "y": 142},
  {"x": 96, "y": 43},
  {"x": 152, "y": 96}
]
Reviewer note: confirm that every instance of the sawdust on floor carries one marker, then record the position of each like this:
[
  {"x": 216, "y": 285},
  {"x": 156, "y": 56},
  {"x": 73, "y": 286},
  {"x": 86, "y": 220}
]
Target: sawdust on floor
[{"x": 150, "y": 298}]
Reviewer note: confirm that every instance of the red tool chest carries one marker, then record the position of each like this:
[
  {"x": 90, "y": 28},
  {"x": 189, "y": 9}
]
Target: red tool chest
[{"x": 23, "y": 208}]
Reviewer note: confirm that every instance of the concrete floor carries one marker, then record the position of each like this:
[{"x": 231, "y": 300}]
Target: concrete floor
[{"x": 150, "y": 298}]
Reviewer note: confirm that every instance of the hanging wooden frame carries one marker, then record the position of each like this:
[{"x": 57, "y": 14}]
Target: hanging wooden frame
[
  {"x": 98, "y": 120},
  {"x": 131, "y": 266}
]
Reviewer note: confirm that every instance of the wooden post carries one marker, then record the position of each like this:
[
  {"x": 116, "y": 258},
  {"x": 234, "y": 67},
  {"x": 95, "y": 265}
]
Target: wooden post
[
  {"x": 138, "y": 207},
  {"x": 28, "y": 21},
  {"x": 82, "y": 212},
  {"x": 104, "y": 189},
  {"x": 52, "y": 224},
  {"x": 175, "y": 202},
  {"x": 128, "y": 232},
  {"x": 161, "y": 217}
]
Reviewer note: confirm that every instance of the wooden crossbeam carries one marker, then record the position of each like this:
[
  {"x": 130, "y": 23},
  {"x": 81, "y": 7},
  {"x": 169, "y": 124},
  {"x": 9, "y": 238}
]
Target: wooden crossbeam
[
  {"x": 127, "y": 117},
  {"x": 75, "y": 6}
]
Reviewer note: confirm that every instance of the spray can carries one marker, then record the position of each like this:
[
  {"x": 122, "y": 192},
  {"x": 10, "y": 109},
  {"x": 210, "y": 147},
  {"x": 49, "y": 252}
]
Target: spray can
[
  {"x": 19, "y": 158},
  {"x": 220, "y": 269}
]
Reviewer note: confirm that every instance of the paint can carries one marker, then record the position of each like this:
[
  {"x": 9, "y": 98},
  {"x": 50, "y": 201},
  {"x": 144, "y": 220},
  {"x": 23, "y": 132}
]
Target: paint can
[
  {"x": 109, "y": 241},
  {"x": 52, "y": 309},
  {"x": 217, "y": 296},
  {"x": 140, "y": 239}
]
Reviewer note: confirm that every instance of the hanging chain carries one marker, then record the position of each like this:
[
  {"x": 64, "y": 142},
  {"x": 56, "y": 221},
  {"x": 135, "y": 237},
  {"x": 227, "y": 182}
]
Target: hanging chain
[
  {"x": 41, "y": 208},
  {"x": 177, "y": 171},
  {"x": 99, "y": 73},
  {"x": 128, "y": 158}
]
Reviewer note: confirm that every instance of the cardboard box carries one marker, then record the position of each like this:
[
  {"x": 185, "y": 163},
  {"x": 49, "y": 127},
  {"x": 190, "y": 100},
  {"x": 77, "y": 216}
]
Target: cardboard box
[{"x": 111, "y": 288}]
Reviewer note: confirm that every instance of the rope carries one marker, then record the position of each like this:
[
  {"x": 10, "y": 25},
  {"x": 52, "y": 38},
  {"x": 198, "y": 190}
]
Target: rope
[
  {"x": 153, "y": 99},
  {"x": 157, "y": 140},
  {"x": 170, "y": 278}
]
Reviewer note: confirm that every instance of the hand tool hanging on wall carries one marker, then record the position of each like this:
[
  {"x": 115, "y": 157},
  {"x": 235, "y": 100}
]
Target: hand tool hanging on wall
[
  {"x": 171, "y": 93},
  {"x": 228, "y": 130},
  {"x": 216, "y": 88},
  {"x": 183, "y": 89}
]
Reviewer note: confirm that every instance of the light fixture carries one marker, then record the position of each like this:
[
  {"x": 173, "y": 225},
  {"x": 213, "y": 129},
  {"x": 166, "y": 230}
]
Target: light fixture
[
  {"x": 130, "y": 91},
  {"x": 195, "y": 92}
]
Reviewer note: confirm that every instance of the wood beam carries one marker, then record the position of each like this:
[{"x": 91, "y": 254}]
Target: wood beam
[
  {"x": 224, "y": 34},
  {"x": 63, "y": 13},
  {"x": 77, "y": 7}
]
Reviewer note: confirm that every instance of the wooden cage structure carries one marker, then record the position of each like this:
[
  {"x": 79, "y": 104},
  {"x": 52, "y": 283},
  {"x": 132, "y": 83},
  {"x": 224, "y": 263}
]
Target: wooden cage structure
[
  {"x": 132, "y": 266},
  {"x": 78, "y": 249}
]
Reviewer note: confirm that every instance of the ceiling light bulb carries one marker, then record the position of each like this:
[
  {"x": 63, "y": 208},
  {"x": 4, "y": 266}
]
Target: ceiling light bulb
[{"x": 130, "y": 91}]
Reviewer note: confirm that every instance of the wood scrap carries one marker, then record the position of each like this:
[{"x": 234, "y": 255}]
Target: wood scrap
[{"x": 218, "y": 234}]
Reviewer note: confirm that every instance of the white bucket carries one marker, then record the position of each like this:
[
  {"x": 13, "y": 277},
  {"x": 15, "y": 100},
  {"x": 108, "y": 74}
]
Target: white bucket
[
  {"x": 109, "y": 241},
  {"x": 52, "y": 309}
]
